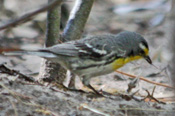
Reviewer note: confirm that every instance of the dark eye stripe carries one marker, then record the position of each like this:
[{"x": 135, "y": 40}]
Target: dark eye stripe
[
  {"x": 145, "y": 44},
  {"x": 142, "y": 52}
]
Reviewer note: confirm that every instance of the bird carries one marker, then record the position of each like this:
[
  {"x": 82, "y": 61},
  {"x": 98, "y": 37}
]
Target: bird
[{"x": 95, "y": 55}]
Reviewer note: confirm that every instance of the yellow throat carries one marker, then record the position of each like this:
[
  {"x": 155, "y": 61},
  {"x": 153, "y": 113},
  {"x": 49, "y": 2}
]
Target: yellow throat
[{"x": 122, "y": 61}]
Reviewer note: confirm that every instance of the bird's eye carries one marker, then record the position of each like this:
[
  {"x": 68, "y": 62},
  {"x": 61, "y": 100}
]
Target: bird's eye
[{"x": 142, "y": 52}]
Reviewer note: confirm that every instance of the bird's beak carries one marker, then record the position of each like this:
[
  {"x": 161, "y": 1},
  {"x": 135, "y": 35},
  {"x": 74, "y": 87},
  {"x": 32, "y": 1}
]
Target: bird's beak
[{"x": 148, "y": 59}]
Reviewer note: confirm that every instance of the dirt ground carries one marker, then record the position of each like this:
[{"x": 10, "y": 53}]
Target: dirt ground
[{"x": 21, "y": 98}]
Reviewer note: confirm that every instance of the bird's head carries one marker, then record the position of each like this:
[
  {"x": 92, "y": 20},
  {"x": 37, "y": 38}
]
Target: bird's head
[
  {"x": 135, "y": 45},
  {"x": 143, "y": 51}
]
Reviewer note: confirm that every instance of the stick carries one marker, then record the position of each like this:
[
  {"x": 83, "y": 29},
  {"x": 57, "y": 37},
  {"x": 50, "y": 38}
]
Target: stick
[
  {"x": 28, "y": 16},
  {"x": 142, "y": 78},
  {"x": 4, "y": 69}
]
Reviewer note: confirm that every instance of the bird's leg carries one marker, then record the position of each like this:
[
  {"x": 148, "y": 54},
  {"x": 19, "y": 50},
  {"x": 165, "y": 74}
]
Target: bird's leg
[{"x": 86, "y": 82}]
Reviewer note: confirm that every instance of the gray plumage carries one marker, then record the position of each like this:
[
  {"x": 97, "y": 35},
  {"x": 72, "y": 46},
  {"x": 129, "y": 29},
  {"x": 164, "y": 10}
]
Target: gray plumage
[
  {"x": 91, "y": 51},
  {"x": 92, "y": 56}
]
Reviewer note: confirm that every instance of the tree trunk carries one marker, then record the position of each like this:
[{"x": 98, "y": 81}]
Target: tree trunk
[
  {"x": 50, "y": 71},
  {"x": 73, "y": 30},
  {"x": 75, "y": 26}
]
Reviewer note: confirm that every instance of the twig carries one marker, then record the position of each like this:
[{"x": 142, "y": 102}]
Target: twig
[
  {"x": 142, "y": 78},
  {"x": 170, "y": 99},
  {"x": 56, "y": 90},
  {"x": 4, "y": 69},
  {"x": 152, "y": 97},
  {"x": 17, "y": 94},
  {"x": 28, "y": 16},
  {"x": 97, "y": 111},
  {"x": 47, "y": 112},
  {"x": 14, "y": 107},
  {"x": 132, "y": 84},
  {"x": 141, "y": 109},
  {"x": 153, "y": 91},
  {"x": 128, "y": 97}
]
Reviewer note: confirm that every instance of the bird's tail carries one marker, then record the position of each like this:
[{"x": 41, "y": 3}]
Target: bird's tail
[{"x": 35, "y": 53}]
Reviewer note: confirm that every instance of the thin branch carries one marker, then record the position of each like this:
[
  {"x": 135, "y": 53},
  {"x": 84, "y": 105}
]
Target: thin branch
[
  {"x": 94, "y": 110},
  {"x": 152, "y": 98},
  {"x": 14, "y": 107},
  {"x": 142, "y": 78},
  {"x": 4, "y": 69},
  {"x": 77, "y": 20},
  {"x": 28, "y": 16}
]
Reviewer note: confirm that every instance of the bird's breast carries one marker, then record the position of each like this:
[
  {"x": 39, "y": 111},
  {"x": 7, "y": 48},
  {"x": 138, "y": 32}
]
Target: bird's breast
[{"x": 122, "y": 61}]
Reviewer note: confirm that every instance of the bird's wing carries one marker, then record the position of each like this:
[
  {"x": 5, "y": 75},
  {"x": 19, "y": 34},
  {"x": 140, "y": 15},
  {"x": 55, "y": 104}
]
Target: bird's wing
[
  {"x": 100, "y": 47},
  {"x": 95, "y": 47}
]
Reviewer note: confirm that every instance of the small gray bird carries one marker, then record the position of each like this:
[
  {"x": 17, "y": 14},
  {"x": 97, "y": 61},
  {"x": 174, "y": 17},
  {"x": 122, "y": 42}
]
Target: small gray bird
[{"x": 95, "y": 55}]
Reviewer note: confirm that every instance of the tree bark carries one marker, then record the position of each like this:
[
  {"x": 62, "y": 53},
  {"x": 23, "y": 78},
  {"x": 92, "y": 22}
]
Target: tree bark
[
  {"x": 75, "y": 25},
  {"x": 50, "y": 71},
  {"x": 77, "y": 20},
  {"x": 73, "y": 30}
]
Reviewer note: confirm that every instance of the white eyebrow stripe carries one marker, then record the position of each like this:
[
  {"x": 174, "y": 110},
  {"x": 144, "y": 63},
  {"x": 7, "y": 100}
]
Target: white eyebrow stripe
[{"x": 142, "y": 46}]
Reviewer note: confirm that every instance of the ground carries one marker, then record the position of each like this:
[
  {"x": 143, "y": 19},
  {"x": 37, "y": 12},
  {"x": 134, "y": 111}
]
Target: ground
[{"x": 20, "y": 98}]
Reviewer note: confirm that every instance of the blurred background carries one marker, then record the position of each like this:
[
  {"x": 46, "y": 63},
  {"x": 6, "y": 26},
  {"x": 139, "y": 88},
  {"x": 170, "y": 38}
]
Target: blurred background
[{"x": 151, "y": 18}]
